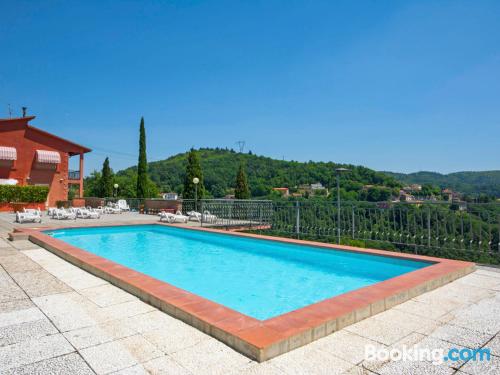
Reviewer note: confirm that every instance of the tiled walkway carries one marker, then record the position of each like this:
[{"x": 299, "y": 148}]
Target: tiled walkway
[{"x": 57, "y": 319}]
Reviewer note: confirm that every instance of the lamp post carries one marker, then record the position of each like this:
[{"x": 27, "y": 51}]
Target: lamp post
[
  {"x": 116, "y": 189},
  {"x": 196, "y": 181},
  {"x": 338, "y": 172}
]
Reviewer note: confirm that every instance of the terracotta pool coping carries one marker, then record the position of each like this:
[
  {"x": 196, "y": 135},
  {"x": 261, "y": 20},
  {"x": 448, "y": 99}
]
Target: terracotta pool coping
[{"x": 261, "y": 340}]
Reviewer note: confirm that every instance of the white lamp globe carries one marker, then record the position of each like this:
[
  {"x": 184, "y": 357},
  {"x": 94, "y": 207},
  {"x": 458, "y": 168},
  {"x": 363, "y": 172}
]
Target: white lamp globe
[{"x": 196, "y": 180}]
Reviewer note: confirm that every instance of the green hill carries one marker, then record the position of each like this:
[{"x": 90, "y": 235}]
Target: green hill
[
  {"x": 220, "y": 167},
  {"x": 474, "y": 183}
]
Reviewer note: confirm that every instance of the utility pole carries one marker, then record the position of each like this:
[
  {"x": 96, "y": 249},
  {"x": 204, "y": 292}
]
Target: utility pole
[{"x": 241, "y": 145}]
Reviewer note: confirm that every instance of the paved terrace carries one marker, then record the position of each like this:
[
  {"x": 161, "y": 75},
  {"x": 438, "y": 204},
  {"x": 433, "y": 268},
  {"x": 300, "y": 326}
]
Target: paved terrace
[{"x": 57, "y": 318}]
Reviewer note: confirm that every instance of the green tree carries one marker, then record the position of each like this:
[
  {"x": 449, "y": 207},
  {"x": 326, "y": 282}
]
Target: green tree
[
  {"x": 193, "y": 169},
  {"x": 241, "y": 190},
  {"x": 142, "y": 166},
  {"x": 106, "y": 180},
  {"x": 92, "y": 184}
]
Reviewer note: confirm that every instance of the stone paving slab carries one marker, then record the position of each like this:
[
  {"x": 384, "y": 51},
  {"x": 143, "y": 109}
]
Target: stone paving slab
[
  {"x": 71, "y": 275},
  {"x": 69, "y": 364},
  {"x": 17, "y": 262},
  {"x": 461, "y": 336},
  {"x": 33, "y": 350},
  {"x": 9, "y": 290},
  {"x": 14, "y": 305},
  {"x": 99, "y": 334},
  {"x": 494, "y": 345},
  {"x": 15, "y": 333},
  {"x": 107, "y": 295},
  {"x": 382, "y": 331},
  {"x": 171, "y": 341},
  {"x": 346, "y": 345},
  {"x": 164, "y": 365},
  {"x": 69, "y": 311},
  {"x": 4, "y": 243},
  {"x": 20, "y": 316},
  {"x": 38, "y": 283},
  {"x": 210, "y": 357},
  {"x": 108, "y": 357},
  {"x": 141, "y": 349},
  {"x": 491, "y": 367},
  {"x": 309, "y": 360}
]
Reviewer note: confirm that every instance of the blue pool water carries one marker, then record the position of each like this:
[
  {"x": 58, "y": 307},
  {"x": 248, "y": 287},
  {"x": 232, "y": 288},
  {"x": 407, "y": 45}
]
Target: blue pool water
[{"x": 256, "y": 277}]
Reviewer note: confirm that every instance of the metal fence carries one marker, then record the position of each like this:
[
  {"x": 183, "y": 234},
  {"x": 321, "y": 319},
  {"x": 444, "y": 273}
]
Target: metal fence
[
  {"x": 231, "y": 213},
  {"x": 438, "y": 226},
  {"x": 442, "y": 229},
  {"x": 429, "y": 228}
]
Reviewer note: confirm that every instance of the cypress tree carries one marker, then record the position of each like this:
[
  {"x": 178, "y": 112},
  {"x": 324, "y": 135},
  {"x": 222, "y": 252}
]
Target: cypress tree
[
  {"x": 193, "y": 169},
  {"x": 241, "y": 190},
  {"x": 142, "y": 165},
  {"x": 106, "y": 181}
]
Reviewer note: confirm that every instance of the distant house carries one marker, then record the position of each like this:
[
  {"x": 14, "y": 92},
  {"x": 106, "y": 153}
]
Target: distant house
[
  {"x": 406, "y": 197},
  {"x": 450, "y": 195},
  {"x": 283, "y": 191},
  {"x": 317, "y": 186},
  {"x": 412, "y": 188},
  {"x": 170, "y": 196},
  {"x": 416, "y": 187}
]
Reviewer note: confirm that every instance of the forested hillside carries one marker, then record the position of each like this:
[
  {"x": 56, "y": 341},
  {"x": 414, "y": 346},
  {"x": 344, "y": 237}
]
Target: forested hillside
[
  {"x": 221, "y": 165},
  {"x": 474, "y": 183}
]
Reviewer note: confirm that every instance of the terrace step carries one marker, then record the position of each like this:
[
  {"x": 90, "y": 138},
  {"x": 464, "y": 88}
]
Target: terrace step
[{"x": 18, "y": 236}]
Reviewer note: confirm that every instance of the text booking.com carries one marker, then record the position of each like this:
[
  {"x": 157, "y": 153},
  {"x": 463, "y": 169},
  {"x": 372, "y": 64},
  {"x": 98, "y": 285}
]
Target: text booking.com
[{"x": 436, "y": 356}]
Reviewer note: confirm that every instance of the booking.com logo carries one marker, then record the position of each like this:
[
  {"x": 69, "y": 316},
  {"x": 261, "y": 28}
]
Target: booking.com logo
[{"x": 436, "y": 356}]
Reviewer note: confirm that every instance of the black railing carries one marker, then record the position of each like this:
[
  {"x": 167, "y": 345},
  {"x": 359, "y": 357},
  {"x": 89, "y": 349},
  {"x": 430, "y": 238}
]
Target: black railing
[
  {"x": 73, "y": 175},
  {"x": 445, "y": 229}
]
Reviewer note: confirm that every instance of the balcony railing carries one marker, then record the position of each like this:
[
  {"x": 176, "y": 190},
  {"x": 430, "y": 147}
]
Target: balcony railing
[{"x": 73, "y": 175}]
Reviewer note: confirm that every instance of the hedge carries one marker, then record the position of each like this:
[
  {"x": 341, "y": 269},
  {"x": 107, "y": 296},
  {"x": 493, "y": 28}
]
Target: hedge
[{"x": 25, "y": 194}]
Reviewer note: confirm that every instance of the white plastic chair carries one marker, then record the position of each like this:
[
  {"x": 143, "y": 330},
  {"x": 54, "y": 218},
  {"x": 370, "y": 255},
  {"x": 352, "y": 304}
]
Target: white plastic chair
[{"x": 122, "y": 205}]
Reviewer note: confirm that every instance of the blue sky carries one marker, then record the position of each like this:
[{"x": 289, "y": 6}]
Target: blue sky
[{"x": 401, "y": 85}]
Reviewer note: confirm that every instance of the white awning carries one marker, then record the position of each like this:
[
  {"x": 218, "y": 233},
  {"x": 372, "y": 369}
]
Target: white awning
[
  {"x": 49, "y": 157},
  {"x": 8, "y": 153},
  {"x": 8, "y": 181}
]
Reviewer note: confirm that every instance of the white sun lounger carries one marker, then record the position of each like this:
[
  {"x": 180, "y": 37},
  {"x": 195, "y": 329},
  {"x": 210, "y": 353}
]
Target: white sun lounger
[
  {"x": 208, "y": 217},
  {"x": 178, "y": 217},
  {"x": 87, "y": 214},
  {"x": 29, "y": 215},
  {"x": 62, "y": 214},
  {"x": 194, "y": 216},
  {"x": 112, "y": 210}
]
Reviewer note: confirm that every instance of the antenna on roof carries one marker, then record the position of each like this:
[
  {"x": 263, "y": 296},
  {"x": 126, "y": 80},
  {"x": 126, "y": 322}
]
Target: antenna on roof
[
  {"x": 10, "y": 110},
  {"x": 24, "y": 111},
  {"x": 241, "y": 145}
]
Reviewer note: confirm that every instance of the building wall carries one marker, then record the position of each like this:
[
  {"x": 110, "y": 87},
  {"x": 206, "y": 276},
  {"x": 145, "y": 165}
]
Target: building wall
[{"x": 25, "y": 169}]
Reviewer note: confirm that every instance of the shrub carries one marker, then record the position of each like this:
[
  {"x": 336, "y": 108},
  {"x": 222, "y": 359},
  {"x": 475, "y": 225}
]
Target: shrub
[
  {"x": 62, "y": 204},
  {"x": 25, "y": 194}
]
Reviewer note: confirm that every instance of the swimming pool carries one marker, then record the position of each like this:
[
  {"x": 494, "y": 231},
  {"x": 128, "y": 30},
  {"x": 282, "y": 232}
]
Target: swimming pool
[
  {"x": 263, "y": 296},
  {"x": 261, "y": 279}
]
